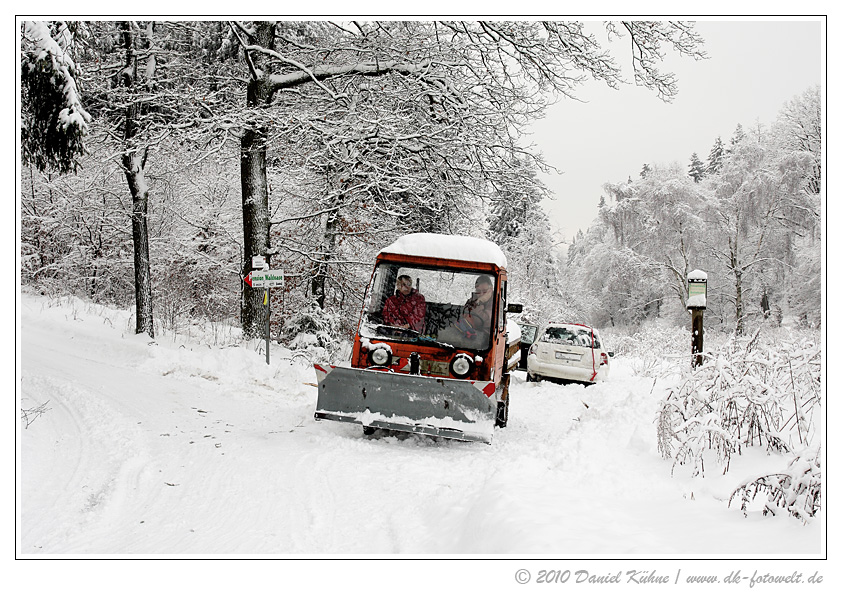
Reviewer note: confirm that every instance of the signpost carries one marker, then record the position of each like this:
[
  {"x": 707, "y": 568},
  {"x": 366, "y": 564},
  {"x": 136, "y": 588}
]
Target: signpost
[
  {"x": 265, "y": 279},
  {"x": 697, "y": 291}
]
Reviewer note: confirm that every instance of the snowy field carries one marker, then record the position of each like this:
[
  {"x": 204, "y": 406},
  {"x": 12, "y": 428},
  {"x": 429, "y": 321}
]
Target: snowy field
[{"x": 174, "y": 449}]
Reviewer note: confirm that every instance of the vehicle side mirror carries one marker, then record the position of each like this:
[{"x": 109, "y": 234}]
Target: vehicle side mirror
[
  {"x": 515, "y": 308},
  {"x": 610, "y": 354}
]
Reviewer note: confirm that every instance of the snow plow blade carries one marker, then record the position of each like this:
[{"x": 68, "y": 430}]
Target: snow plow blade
[{"x": 457, "y": 409}]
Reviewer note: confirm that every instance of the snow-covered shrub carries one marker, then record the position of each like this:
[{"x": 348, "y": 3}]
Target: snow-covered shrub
[
  {"x": 655, "y": 349},
  {"x": 750, "y": 393},
  {"x": 796, "y": 490},
  {"x": 313, "y": 332}
]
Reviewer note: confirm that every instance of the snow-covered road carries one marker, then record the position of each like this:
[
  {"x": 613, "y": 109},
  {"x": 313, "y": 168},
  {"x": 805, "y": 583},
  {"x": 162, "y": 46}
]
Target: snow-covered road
[{"x": 172, "y": 448}]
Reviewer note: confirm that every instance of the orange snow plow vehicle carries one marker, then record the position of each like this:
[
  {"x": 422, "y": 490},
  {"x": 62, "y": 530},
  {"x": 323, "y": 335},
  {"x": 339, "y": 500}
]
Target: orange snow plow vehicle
[{"x": 432, "y": 353}]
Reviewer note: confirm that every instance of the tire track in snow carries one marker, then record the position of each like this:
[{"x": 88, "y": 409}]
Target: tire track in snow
[{"x": 96, "y": 461}]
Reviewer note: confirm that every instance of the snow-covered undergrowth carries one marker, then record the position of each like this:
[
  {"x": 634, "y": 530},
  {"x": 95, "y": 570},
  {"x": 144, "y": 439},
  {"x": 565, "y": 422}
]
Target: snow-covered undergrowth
[
  {"x": 755, "y": 393},
  {"x": 312, "y": 334},
  {"x": 656, "y": 350}
]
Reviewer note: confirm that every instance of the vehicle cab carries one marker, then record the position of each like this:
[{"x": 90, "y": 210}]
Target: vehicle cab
[{"x": 450, "y": 274}]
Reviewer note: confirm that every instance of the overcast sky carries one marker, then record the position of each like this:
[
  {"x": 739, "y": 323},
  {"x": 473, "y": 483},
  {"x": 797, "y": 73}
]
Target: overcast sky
[{"x": 753, "y": 68}]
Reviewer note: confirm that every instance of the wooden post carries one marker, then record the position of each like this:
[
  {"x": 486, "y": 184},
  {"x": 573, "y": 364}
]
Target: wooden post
[
  {"x": 697, "y": 340},
  {"x": 697, "y": 291},
  {"x": 268, "y": 320}
]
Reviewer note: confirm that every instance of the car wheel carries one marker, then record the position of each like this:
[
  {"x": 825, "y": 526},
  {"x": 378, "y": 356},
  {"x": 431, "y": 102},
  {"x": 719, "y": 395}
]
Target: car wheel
[
  {"x": 532, "y": 378},
  {"x": 368, "y": 430}
]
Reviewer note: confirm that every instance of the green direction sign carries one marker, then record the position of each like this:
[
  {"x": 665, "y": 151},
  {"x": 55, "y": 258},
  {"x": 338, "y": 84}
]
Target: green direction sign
[
  {"x": 697, "y": 288},
  {"x": 267, "y": 279}
]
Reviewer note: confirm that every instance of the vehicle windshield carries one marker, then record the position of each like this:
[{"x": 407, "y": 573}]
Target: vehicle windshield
[
  {"x": 567, "y": 335},
  {"x": 452, "y": 308},
  {"x": 527, "y": 333}
]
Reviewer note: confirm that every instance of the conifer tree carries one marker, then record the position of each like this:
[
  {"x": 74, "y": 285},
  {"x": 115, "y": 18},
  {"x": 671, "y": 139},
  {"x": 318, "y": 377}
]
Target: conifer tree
[
  {"x": 697, "y": 168},
  {"x": 715, "y": 157},
  {"x": 736, "y": 139},
  {"x": 53, "y": 120}
]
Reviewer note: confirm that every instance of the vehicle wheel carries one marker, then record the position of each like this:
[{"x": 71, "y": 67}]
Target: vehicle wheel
[
  {"x": 368, "y": 430},
  {"x": 531, "y": 378},
  {"x": 502, "y": 414}
]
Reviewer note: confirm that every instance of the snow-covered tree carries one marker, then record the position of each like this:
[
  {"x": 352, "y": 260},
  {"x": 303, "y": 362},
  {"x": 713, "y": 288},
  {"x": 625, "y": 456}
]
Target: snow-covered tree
[
  {"x": 537, "y": 275},
  {"x": 657, "y": 219},
  {"x": 516, "y": 207},
  {"x": 799, "y": 128},
  {"x": 53, "y": 118},
  {"x": 797, "y": 133},
  {"x": 754, "y": 186},
  {"x": 696, "y": 168},
  {"x": 195, "y": 225},
  {"x": 736, "y": 138},
  {"x": 620, "y": 213},
  {"x": 74, "y": 231},
  {"x": 670, "y": 205},
  {"x": 715, "y": 157}
]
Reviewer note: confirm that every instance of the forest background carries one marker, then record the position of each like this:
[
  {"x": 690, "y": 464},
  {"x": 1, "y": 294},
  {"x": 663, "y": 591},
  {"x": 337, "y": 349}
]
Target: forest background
[{"x": 158, "y": 157}]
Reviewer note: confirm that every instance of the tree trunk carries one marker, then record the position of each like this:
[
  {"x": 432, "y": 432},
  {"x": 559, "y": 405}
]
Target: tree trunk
[
  {"x": 736, "y": 267},
  {"x": 255, "y": 191},
  {"x": 318, "y": 284},
  {"x": 254, "y": 184},
  {"x": 255, "y": 223},
  {"x": 738, "y": 302},
  {"x": 133, "y": 167}
]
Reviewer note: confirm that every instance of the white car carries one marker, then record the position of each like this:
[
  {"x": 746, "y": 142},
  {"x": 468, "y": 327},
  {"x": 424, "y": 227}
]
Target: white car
[{"x": 570, "y": 352}]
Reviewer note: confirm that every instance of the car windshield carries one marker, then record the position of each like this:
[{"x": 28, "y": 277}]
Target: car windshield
[
  {"x": 453, "y": 308},
  {"x": 567, "y": 335}
]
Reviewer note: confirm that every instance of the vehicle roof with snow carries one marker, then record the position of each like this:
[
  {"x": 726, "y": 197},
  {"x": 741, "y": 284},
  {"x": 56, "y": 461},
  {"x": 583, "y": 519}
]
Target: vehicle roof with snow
[
  {"x": 553, "y": 324},
  {"x": 433, "y": 245}
]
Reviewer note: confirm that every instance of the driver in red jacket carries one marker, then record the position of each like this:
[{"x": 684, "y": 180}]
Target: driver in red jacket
[{"x": 407, "y": 308}]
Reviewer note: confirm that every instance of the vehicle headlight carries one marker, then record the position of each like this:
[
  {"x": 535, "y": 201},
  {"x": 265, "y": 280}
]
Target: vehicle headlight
[
  {"x": 461, "y": 365},
  {"x": 380, "y": 356}
]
